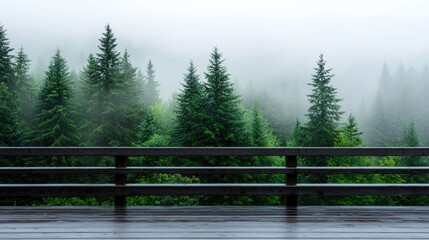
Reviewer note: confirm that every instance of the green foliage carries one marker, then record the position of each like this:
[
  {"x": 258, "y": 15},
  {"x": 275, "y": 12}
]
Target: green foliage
[
  {"x": 9, "y": 102},
  {"x": 110, "y": 84},
  {"x": 411, "y": 138},
  {"x": 75, "y": 201},
  {"x": 155, "y": 124},
  {"x": 298, "y": 135},
  {"x": 55, "y": 113},
  {"x": 384, "y": 122},
  {"x": 6, "y": 65},
  {"x": 350, "y": 136},
  {"x": 224, "y": 118},
  {"x": 8, "y": 118},
  {"x": 321, "y": 130},
  {"x": 191, "y": 121},
  {"x": 150, "y": 88},
  {"x": 165, "y": 200},
  {"x": 324, "y": 112},
  {"x": 25, "y": 90},
  {"x": 111, "y": 95}
]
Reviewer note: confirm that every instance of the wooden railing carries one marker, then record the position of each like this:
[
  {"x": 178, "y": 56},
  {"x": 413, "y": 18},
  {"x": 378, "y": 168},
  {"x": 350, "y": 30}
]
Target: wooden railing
[{"x": 291, "y": 188}]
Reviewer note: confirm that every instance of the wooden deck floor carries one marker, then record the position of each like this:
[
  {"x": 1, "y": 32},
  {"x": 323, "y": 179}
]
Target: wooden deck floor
[{"x": 308, "y": 222}]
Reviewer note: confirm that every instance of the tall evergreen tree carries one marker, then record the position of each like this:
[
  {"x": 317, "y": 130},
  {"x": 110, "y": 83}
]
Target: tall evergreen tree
[
  {"x": 224, "y": 117},
  {"x": 350, "y": 134},
  {"x": 321, "y": 130},
  {"x": 259, "y": 128},
  {"x": 24, "y": 87},
  {"x": 324, "y": 112},
  {"x": 298, "y": 135},
  {"x": 6, "y": 65},
  {"x": 55, "y": 112},
  {"x": 411, "y": 138},
  {"x": 190, "y": 124},
  {"x": 90, "y": 104},
  {"x": 9, "y": 107},
  {"x": 151, "y": 92},
  {"x": 110, "y": 84},
  {"x": 8, "y": 118}
]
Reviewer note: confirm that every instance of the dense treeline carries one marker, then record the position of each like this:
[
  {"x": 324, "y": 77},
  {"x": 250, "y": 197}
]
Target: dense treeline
[
  {"x": 112, "y": 103},
  {"x": 400, "y": 102}
]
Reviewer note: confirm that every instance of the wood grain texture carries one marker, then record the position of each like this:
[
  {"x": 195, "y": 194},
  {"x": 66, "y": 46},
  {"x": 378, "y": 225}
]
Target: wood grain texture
[
  {"x": 41, "y": 190},
  {"x": 214, "y": 222}
]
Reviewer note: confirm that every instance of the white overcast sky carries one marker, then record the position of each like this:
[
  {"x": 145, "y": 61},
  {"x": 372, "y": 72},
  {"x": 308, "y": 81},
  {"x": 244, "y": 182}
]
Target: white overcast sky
[{"x": 263, "y": 40}]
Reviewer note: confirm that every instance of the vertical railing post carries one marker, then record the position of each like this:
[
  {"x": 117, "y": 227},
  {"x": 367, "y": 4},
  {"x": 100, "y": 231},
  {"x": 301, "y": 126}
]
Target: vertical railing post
[
  {"x": 120, "y": 180},
  {"x": 291, "y": 180}
]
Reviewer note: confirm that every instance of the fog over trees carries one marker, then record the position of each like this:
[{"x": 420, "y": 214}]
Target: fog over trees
[{"x": 245, "y": 86}]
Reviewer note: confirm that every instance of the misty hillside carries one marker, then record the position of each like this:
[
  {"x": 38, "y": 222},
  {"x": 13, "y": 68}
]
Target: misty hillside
[{"x": 100, "y": 93}]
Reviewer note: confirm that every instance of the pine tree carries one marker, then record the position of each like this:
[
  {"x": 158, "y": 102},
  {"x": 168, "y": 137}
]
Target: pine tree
[
  {"x": 190, "y": 124},
  {"x": 90, "y": 104},
  {"x": 9, "y": 107},
  {"x": 350, "y": 134},
  {"x": 8, "y": 118},
  {"x": 128, "y": 73},
  {"x": 411, "y": 138},
  {"x": 298, "y": 135},
  {"x": 259, "y": 128},
  {"x": 147, "y": 129},
  {"x": 321, "y": 130},
  {"x": 224, "y": 116},
  {"x": 6, "y": 65},
  {"x": 324, "y": 112},
  {"x": 151, "y": 92},
  {"x": 55, "y": 112},
  {"x": 25, "y": 88},
  {"x": 110, "y": 86},
  {"x": 384, "y": 124}
]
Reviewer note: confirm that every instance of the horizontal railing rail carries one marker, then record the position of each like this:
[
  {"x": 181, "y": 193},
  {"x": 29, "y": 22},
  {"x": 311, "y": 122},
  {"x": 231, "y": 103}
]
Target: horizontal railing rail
[
  {"x": 291, "y": 188},
  {"x": 213, "y": 170},
  {"x": 211, "y": 151}
]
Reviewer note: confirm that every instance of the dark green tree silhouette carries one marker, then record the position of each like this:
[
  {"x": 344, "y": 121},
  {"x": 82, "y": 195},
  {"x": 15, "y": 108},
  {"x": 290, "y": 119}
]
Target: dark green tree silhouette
[
  {"x": 9, "y": 104},
  {"x": 25, "y": 89},
  {"x": 191, "y": 119},
  {"x": 110, "y": 86},
  {"x": 324, "y": 112},
  {"x": 55, "y": 111},
  {"x": 225, "y": 126},
  {"x": 150, "y": 90}
]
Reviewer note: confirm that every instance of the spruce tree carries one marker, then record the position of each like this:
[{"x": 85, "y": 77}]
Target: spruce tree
[
  {"x": 225, "y": 125},
  {"x": 384, "y": 127},
  {"x": 90, "y": 104},
  {"x": 298, "y": 135},
  {"x": 190, "y": 125},
  {"x": 324, "y": 112},
  {"x": 259, "y": 128},
  {"x": 351, "y": 136},
  {"x": 55, "y": 111},
  {"x": 110, "y": 85},
  {"x": 25, "y": 88},
  {"x": 9, "y": 101},
  {"x": 6, "y": 65},
  {"x": 411, "y": 138},
  {"x": 151, "y": 92},
  {"x": 8, "y": 117},
  {"x": 321, "y": 130}
]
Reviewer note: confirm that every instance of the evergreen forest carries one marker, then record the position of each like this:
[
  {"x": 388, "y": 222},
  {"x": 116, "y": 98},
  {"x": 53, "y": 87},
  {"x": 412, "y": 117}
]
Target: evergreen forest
[{"x": 110, "y": 102}]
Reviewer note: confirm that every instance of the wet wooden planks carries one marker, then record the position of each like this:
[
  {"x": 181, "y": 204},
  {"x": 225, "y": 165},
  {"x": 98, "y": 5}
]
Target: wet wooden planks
[{"x": 214, "y": 222}]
